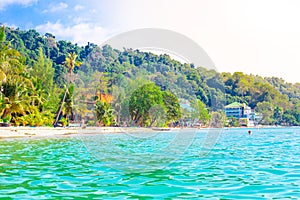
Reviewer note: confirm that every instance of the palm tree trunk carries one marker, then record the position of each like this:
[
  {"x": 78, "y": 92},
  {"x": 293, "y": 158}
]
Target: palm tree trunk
[
  {"x": 60, "y": 108},
  {"x": 5, "y": 113},
  {"x": 119, "y": 116}
]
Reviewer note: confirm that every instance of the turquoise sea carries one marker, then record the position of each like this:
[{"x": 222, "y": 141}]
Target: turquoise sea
[{"x": 197, "y": 164}]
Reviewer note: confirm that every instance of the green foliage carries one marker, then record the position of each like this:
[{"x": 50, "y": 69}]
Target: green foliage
[
  {"x": 35, "y": 119},
  {"x": 2, "y": 34},
  {"x": 200, "y": 112},
  {"x": 42, "y": 70},
  {"x": 25, "y": 88},
  {"x": 267, "y": 110},
  {"x": 16, "y": 87},
  {"x": 64, "y": 121},
  {"x": 67, "y": 100},
  {"x": 71, "y": 62},
  {"x": 35, "y": 69},
  {"x": 104, "y": 113},
  {"x": 7, "y": 118},
  {"x": 68, "y": 105},
  {"x": 149, "y": 106},
  {"x": 218, "y": 119},
  {"x": 172, "y": 106},
  {"x": 233, "y": 122},
  {"x": 142, "y": 100}
]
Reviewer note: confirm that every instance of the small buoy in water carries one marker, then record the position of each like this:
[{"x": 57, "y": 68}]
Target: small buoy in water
[{"x": 249, "y": 132}]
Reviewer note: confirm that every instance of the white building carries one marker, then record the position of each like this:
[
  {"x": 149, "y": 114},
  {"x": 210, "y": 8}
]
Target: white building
[
  {"x": 242, "y": 112},
  {"x": 238, "y": 110}
]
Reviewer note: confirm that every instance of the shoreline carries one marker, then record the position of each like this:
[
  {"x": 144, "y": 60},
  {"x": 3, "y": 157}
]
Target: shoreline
[
  {"x": 44, "y": 132},
  {"x": 41, "y": 132}
]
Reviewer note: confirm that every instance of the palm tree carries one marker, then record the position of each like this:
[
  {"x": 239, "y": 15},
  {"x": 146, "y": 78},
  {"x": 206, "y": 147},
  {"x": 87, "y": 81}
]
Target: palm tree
[
  {"x": 104, "y": 113},
  {"x": 100, "y": 82},
  {"x": 70, "y": 63},
  {"x": 16, "y": 96},
  {"x": 15, "y": 87}
]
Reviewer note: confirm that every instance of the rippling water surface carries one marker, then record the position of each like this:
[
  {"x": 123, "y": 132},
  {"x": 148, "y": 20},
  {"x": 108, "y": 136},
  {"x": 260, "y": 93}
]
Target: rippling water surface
[{"x": 264, "y": 165}]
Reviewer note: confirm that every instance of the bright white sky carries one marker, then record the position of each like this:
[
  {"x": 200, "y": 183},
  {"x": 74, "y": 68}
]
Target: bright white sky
[{"x": 254, "y": 36}]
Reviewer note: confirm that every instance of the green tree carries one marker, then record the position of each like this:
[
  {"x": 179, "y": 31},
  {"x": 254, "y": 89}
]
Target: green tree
[
  {"x": 278, "y": 112},
  {"x": 233, "y": 122},
  {"x": 22, "y": 61},
  {"x": 42, "y": 69},
  {"x": 70, "y": 63},
  {"x": 172, "y": 106},
  {"x": 42, "y": 75},
  {"x": 218, "y": 119},
  {"x": 267, "y": 110},
  {"x": 200, "y": 112},
  {"x": 142, "y": 100},
  {"x": 16, "y": 87},
  {"x": 289, "y": 119},
  {"x": 68, "y": 106},
  {"x": 100, "y": 83},
  {"x": 104, "y": 113},
  {"x": 118, "y": 99}
]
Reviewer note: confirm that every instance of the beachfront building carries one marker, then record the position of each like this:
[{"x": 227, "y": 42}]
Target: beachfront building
[
  {"x": 238, "y": 110},
  {"x": 242, "y": 112},
  {"x": 255, "y": 117}
]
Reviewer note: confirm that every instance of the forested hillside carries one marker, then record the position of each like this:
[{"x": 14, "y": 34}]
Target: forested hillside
[{"x": 35, "y": 77}]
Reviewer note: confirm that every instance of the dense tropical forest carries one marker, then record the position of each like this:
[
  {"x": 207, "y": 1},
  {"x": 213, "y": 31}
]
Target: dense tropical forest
[{"x": 45, "y": 82}]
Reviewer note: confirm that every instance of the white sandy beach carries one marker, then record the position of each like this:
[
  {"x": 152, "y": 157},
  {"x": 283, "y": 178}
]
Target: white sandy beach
[
  {"x": 21, "y": 132},
  {"x": 34, "y": 132}
]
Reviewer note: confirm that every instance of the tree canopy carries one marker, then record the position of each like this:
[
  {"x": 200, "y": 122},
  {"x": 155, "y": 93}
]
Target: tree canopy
[{"x": 35, "y": 69}]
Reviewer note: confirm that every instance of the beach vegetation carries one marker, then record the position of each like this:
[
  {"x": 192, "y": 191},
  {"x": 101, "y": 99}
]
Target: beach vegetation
[
  {"x": 104, "y": 113},
  {"x": 200, "y": 112},
  {"x": 42, "y": 78}
]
